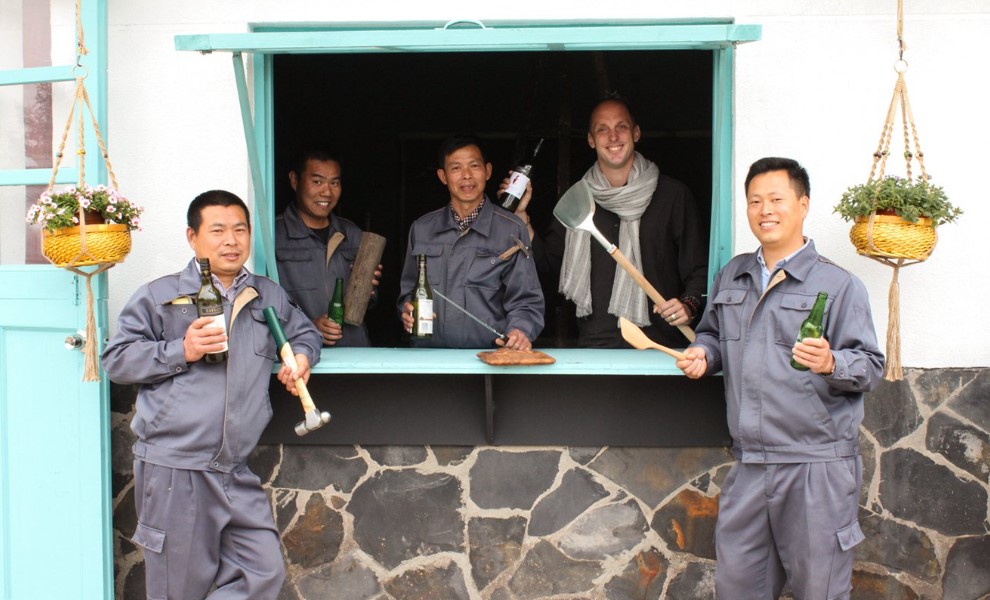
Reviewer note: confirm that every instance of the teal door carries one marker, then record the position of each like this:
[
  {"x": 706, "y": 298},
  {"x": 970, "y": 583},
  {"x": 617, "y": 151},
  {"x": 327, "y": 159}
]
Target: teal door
[
  {"x": 54, "y": 441},
  {"x": 55, "y": 518}
]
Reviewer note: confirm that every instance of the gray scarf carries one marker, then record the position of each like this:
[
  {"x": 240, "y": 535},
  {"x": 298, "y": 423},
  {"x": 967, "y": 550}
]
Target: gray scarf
[{"x": 629, "y": 202}]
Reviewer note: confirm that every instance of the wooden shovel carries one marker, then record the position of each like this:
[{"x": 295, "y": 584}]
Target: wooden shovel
[
  {"x": 635, "y": 336},
  {"x": 576, "y": 210}
]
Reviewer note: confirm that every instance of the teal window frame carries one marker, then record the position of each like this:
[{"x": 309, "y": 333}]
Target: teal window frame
[{"x": 721, "y": 36}]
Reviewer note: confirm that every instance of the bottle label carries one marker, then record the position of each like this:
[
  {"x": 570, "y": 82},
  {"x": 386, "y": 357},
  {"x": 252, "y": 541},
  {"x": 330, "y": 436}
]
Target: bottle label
[
  {"x": 517, "y": 184},
  {"x": 424, "y": 316},
  {"x": 218, "y": 321}
]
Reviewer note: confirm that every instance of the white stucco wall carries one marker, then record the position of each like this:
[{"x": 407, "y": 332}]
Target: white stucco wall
[{"x": 815, "y": 88}]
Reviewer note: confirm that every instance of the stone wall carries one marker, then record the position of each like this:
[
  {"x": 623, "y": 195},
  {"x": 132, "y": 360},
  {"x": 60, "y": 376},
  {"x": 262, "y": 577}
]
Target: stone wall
[{"x": 513, "y": 523}]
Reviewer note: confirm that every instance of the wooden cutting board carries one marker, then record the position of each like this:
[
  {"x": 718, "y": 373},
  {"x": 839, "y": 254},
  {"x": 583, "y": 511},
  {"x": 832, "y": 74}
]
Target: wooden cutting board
[{"x": 504, "y": 357}]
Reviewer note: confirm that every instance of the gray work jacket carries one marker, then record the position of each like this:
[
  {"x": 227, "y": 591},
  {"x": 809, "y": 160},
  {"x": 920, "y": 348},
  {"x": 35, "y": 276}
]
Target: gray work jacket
[
  {"x": 305, "y": 272},
  {"x": 466, "y": 267},
  {"x": 201, "y": 416},
  {"x": 777, "y": 414}
]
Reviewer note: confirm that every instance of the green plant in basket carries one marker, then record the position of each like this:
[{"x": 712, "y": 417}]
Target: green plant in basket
[
  {"x": 58, "y": 210},
  {"x": 909, "y": 199}
]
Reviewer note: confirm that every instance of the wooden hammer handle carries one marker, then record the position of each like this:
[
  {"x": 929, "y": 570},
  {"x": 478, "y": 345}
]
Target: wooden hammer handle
[
  {"x": 647, "y": 287},
  {"x": 289, "y": 358}
]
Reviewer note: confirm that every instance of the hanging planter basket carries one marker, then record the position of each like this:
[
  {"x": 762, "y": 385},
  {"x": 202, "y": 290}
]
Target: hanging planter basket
[
  {"x": 891, "y": 236},
  {"x": 85, "y": 230},
  {"x": 892, "y": 239},
  {"x": 87, "y": 246}
]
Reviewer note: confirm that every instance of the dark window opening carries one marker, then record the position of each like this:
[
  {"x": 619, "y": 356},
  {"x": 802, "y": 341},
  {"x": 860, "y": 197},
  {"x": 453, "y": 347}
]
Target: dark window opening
[{"x": 385, "y": 115}]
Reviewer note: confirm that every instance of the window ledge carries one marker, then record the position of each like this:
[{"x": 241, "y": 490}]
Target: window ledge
[{"x": 569, "y": 361}]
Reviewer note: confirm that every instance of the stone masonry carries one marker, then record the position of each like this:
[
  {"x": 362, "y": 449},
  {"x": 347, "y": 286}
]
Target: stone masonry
[{"x": 528, "y": 523}]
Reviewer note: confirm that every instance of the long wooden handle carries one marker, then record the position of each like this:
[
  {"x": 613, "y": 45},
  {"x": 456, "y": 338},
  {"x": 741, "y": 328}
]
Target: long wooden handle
[{"x": 647, "y": 287}]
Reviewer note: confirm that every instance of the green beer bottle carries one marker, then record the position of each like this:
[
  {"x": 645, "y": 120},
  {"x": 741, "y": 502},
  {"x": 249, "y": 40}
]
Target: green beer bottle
[
  {"x": 336, "y": 310},
  {"x": 812, "y": 326}
]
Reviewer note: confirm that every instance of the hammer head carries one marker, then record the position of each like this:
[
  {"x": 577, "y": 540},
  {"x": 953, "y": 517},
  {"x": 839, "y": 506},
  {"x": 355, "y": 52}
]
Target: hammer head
[
  {"x": 520, "y": 245},
  {"x": 314, "y": 420}
]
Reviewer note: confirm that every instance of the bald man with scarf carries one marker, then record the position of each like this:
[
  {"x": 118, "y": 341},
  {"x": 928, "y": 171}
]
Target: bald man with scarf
[{"x": 651, "y": 218}]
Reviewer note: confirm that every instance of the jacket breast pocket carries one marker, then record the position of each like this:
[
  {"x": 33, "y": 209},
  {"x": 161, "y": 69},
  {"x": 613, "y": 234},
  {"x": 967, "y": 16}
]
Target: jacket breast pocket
[
  {"x": 264, "y": 341},
  {"x": 434, "y": 260},
  {"x": 349, "y": 254},
  {"x": 295, "y": 268},
  {"x": 729, "y": 307},
  {"x": 176, "y": 319},
  {"x": 485, "y": 271},
  {"x": 787, "y": 319}
]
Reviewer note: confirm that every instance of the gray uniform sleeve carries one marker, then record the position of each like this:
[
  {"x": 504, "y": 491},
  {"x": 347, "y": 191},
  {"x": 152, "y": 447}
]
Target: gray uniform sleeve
[
  {"x": 707, "y": 332},
  {"x": 523, "y": 300},
  {"x": 139, "y": 352},
  {"x": 852, "y": 337},
  {"x": 300, "y": 332}
]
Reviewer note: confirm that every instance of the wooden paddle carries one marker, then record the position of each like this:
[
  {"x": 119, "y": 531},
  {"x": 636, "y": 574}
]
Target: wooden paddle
[
  {"x": 576, "y": 210},
  {"x": 635, "y": 336}
]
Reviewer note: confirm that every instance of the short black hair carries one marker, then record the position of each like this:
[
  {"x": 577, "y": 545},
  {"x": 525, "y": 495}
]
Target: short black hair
[
  {"x": 194, "y": 216},
  {"x": 455, "y": 143},
  {"x": 304, "y": 156},
  {"x": 616, "y": 98},
  {"x": 797, "y": 174}
]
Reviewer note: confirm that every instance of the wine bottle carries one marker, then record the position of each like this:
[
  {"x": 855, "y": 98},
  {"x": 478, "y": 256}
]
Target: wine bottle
[
  {"x": 336, "y": 310},
  {"x": 422, "y": 302},
  {"x": 812, "y": 326},
  {"x": 209, "y": 303},
  {"x": 513, "y": 193}
]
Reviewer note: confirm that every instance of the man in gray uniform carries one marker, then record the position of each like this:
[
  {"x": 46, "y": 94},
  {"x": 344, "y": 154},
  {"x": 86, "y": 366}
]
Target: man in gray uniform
[
  {"x": 314, "y": 246},
  {"x": 468, "y": 246},
  {"x": 203, "y": 518},
  {"x": 788, "y": 508}
]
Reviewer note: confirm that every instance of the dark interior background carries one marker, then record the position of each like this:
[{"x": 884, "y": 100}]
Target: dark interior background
[{"x": 384, "y": 115}]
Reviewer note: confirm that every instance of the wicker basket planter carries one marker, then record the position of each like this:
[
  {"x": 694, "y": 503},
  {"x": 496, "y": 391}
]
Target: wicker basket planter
[
  {"x": 894, "y": 237},
  {"x": 104, "y": 244}
]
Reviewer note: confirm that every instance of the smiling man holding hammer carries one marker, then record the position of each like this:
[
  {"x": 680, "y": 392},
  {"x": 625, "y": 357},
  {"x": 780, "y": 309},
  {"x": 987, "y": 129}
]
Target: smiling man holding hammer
[{"x": 204, "y": 521}]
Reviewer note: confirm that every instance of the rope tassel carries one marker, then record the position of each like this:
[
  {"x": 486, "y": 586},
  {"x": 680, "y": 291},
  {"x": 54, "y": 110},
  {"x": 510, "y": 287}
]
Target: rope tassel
[{"x": 892, "y": 371}]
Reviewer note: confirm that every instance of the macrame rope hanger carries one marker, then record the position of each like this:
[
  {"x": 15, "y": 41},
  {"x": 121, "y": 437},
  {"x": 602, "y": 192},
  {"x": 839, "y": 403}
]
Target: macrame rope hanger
[
  {"x": 80, "y": 102},
  {"x": 899, "y": 103}
]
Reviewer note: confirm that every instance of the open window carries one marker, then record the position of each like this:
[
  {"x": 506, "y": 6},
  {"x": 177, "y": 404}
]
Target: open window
[{"x": 384, "y": 97}]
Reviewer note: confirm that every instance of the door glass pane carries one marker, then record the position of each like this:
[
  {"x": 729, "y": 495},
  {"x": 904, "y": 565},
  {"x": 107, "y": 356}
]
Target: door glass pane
[
  {"x": 33, "y": 34},
  {"x": 19, "y": 242}
]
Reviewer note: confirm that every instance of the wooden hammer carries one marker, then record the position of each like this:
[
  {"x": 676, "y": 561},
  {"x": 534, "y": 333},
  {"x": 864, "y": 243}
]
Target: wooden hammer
[{"x": 314, "y": 418}]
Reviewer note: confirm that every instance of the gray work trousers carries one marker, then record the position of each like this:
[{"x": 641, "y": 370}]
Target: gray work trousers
[
  {"x": 795, "y": 523},
  {"x": 204, "y": 529}
]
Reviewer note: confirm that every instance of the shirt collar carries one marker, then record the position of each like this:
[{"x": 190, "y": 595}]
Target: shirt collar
[
  {"x": 297, "y": 228},
  {"x": 464, "y": 223},
  {"x": 239, "y": 280},
  {"x": 766, "y": 273}
]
